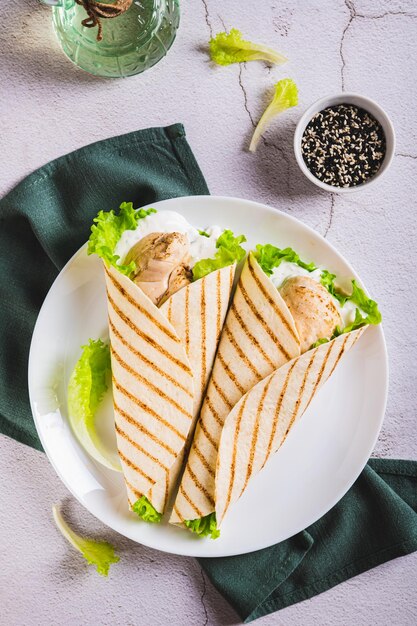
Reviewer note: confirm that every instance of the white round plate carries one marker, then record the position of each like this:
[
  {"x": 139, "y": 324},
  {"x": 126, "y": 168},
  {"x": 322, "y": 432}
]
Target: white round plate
[{"x": 319, "y": 461}]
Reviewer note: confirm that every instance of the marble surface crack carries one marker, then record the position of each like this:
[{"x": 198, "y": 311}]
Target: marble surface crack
[
  {"x": 245, "y": 96},
  {"x": 207, "y": 17},
  {"x": 331, "y": 214},
  {"x": 405, "y": 155},
  {"x": 353, "y": 14},
  {"x": 266, "y": 142},
  {"x": 386, "y": 14},
  {"x": 203, "y": 595},
  {"x": 221, "y": 20}
]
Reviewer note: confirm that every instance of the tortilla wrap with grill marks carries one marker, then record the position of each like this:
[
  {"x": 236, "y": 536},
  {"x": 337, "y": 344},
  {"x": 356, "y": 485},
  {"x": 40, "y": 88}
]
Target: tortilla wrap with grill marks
[
  {"x": 160, "y": 370},
  {"x": 197, "y": 313},
  {"x": 259, "y": 336},
  {"x": 262, "y": 419}
]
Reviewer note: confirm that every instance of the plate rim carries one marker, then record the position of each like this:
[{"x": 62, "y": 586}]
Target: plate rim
[{"x": 384, "y": 367}]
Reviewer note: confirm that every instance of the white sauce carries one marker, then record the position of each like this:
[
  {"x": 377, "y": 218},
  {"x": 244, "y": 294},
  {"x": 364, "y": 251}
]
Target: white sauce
[
  {"x": 201, "y": 247},
  {"x": 287, "y": 270}
]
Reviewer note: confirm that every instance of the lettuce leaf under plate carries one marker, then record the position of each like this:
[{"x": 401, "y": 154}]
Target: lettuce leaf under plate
[{"x": 86, "y": 388}]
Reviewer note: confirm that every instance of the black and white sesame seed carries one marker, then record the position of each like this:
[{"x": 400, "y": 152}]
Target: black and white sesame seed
[{"x": 343, "y": 145}]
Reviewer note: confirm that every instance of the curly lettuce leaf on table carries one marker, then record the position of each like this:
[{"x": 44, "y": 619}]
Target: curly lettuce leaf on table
[
  {"x": 228, "y": 48},
  {"x": 98, "y": 553},
  {"x": 285, "y": 97}
]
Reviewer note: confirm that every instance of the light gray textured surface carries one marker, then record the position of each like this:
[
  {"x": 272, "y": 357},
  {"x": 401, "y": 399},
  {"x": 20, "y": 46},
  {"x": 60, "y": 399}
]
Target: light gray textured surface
[{"x": 48, "y": 108}]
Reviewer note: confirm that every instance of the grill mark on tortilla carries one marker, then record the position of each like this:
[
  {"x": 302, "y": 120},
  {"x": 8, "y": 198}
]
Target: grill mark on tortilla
[
  {"x": 135, "y": 491},
  {"x": 300, "y": 396},
  {"x": 219, "y": 306},
  {"x": 136, "y": 445},
  {"x": 140, "y": 308},
  {"x": 190, "y": 502},
  {"x": 208, "y": 436},
  {"x": 170, "y": 310},
  {"x": 252, "y": 337},
  {"x": 233, "y": 463},
  {"x": 203, "y": 460},
  {"x": 166, "y": 490},
  {"x": 143, "y": 358},
  {"x": 146, "y": 337},
  {"x": 213, "y": 412},
  {"x": 277, "y": 412},
  {"x": 241, "y": 354},
  {"x": 200, "y": 487},
  {"x": 147, "y": 383},
  {"x": 142, "y": 429},
  {"x": 231, "y": 277},
  {"x": 323, "y": 366},
  {"x": 147, "y": 409},
  {"x": 262, "y": 321},
  {"x": 342, "y": 351},
  {"x": 255, "y": 434},
  {"x": 272, "y": 303},
  {"x": 177, "y": 513},
  {"x": 222, "y": 395},
  {"x": 187, "y": 320},
  {"x": 230, "y": 373},
  {"x": 136, "y": 468},
  {"x": 203, "y": 335}
]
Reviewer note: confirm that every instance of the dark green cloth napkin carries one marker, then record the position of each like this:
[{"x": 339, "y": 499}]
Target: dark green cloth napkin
[
  {"x": 48, "y": 216},
  {"x": 43, "y": 221},
  {"x": 374, "y": 522}
]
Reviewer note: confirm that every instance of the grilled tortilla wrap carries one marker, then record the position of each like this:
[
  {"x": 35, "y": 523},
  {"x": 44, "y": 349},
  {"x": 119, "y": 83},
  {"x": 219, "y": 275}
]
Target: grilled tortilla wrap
[
  {"x": 160, "y": 370},
  {"x": 279, "y": 296},
  {"x": 197, "y": 314},
  {"x": 262, "y": 419},
  {"x": 259, "y": 336}
]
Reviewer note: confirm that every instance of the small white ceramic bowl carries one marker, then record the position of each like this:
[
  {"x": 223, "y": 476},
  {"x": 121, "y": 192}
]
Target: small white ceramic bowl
[{"x": 364, "y": 103}]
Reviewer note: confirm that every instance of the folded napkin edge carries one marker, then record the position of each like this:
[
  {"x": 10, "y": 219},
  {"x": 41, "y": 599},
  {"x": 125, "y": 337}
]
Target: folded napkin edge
[
  {"x": 154, "y": 134},
  {"x": 324, "y": 584}
]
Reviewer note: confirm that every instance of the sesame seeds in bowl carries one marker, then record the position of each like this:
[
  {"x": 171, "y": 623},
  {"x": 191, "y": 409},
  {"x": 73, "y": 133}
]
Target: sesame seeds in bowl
[{"x": 344, "y": 143}]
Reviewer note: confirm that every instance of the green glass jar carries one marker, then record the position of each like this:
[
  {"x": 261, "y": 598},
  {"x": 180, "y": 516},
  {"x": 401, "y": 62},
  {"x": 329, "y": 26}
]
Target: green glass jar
[{"x": 131, "y": 42}]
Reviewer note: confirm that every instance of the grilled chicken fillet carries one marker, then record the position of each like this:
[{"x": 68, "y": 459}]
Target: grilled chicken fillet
[
  {"x": 312, "y": 307},
  {"x": 162, "y": 264}
]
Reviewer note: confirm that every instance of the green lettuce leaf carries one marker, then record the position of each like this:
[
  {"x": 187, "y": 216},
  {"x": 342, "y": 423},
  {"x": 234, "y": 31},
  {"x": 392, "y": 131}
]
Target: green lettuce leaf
[
  {"x": 269, "y": 257},
  {"x": 146, "y": 511},
  {"x": 285, "y": 97},
  {"x": 227, "y": 48},
  {"x": 107, "y": 229},
  {"x": 374, "y": 317},
  {"x": 98, "y": 553},
  {"x": 365, "y": 303},
  {"x": 204, "y": 526},
  {"x": 228, "y": 251},
  {"x": 203, "y": 233},
  {"x": 319, "y": 342},
  {"x": 327, "y": 280},
  {"x": 86, "y": 388}
]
